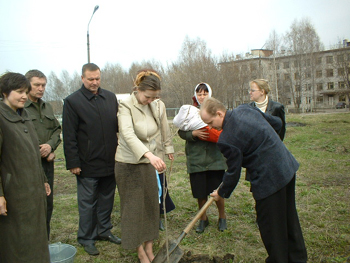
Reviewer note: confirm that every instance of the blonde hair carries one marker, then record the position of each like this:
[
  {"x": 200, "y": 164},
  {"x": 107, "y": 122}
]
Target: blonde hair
[
  {"x": 263, "y": 84},
  {"x": 212, "y": 105},
  {"x": 147, "y": 79}
]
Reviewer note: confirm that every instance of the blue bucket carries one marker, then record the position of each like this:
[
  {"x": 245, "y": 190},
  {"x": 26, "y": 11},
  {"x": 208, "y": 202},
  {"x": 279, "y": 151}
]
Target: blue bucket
[{"x": 62, "y": 253}]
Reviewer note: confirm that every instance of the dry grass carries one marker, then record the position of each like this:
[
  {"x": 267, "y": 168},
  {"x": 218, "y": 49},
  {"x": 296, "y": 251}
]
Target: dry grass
[{"x": 322, "y": 147}]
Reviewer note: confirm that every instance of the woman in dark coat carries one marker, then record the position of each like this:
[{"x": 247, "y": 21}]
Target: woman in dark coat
[
  {"x": 23, "y": 186},
  {"x": 259, "y": 88}
]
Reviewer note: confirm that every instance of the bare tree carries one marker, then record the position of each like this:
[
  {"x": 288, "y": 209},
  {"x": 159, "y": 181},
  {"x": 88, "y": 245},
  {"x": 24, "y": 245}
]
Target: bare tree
[
  {"x": 195, "y": 64},
  {"x": 274, "y": 43},
  {"x": 303, "y": 43}
]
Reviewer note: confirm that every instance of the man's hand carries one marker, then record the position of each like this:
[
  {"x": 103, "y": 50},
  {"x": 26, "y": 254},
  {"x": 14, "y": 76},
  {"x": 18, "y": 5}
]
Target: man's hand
[
  {"x": 202, "y": 133},
  {"x": 3, "y": 209},
  {"x": 215, "y": 195},
  {"x": 47, "y": 189},
  {"x": 75, "y": 171},
  {"x": 51, "y": 157},
  {"x": 45, "y": 150}
]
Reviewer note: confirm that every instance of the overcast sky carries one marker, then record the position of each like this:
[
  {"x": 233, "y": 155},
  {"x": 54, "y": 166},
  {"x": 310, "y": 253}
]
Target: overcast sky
[{"x": 51, "y": 35}]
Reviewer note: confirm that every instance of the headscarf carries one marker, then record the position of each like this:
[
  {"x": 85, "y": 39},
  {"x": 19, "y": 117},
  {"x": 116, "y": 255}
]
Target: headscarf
[{"x": 195, "y": 100}]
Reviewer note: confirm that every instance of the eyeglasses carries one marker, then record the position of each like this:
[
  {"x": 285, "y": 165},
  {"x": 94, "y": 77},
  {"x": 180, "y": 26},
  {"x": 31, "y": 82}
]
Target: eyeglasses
[{"x": 252, "y": 90}]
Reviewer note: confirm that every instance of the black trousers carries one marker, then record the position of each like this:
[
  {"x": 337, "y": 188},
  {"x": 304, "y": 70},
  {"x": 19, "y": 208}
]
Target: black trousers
[
  {"x": 49, "y": 172},
  {"x": 95, "y": 204},
  {"x": 279, "y": 226}
]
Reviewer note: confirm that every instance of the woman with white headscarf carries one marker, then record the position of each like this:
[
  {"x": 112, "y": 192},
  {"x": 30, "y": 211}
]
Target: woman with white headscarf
[{"x": 205, "y": 163}]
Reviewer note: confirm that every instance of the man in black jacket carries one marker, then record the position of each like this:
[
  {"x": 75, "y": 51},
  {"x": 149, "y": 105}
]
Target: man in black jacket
[
  {"x": 90, "y": 142},
  {"x": 249, "y": 139}
]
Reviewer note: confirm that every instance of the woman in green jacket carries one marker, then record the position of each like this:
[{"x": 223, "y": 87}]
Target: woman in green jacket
[
  {"x": 205, "y": 164},
  {"x": 23, "y": 184}
]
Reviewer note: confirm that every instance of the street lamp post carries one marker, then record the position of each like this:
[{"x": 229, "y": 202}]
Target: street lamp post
[{"x": 88, "y": 41}]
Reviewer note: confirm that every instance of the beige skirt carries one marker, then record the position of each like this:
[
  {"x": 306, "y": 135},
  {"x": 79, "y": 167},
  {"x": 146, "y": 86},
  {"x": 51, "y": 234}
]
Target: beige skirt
[{"x": 139, "y": 203}]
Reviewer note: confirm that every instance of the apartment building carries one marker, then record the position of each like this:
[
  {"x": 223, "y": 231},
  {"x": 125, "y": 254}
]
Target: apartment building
[{"x": 302, "y": 82}]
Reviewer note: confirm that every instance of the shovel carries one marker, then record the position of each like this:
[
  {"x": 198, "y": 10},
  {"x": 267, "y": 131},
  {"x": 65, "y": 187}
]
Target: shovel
[{"x": 173, "y": 252}]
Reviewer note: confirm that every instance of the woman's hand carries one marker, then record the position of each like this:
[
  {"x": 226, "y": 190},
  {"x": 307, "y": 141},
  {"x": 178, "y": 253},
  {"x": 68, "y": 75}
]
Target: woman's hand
[
  {"x": 156, "y": 162},
  {"x": 3, "y": 209},
  {"x": 47, "y": 189},
  {"x": 171, "y": 156},
  {"x": 202, "y": 134}
]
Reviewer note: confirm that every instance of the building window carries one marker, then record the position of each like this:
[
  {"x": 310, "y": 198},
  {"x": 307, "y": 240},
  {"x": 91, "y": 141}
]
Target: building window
[
  {"x": 342, "y": 98},
  {"x": 319, "y": 86},
  {"x": 296, "y": 63},
  {"x": 285, "y": 64},
  {"x": 277, "y": 65},
  {"x": 307, "y": 62},
  {"x": 341, "y": 72},
  {"x": 286, "y": 77},
  {"x": 297, "y": 87},
  {"x": 308, "y": 74},
  {"x": 319, "y": 60},
  {"x": 319, "y": 99},
  {"x": 318, "y": 73},
  {"x": 329, "y": 59},
  {"x": 330, "y": 85},
  {"x": 341, "y": 85},
  {"x": 296, "y": 76},
  {"x": 308, "y": 86},
  {"x": 340, "y": 58},
  {"x": 329, "y": 72}
]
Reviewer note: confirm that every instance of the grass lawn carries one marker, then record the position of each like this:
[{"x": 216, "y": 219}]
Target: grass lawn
[{"x": 321, "y": 144}]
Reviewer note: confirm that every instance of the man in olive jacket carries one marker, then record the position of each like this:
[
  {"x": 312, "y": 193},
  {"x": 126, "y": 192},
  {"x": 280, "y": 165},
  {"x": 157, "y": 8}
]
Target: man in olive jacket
[
  {"x": 47, "y": 128},
  {"x": 90, "y": 141}
]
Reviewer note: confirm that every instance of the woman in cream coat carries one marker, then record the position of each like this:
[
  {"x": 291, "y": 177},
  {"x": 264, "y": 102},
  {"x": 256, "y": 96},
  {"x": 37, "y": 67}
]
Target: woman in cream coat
[{"x": 144, "y": 139}]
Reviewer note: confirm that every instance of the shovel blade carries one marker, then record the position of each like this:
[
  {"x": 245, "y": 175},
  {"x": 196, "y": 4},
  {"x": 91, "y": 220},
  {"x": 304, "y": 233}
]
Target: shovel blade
[{"x": 174, "y": 253}]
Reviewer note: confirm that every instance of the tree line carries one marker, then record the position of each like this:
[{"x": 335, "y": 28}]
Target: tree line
[{"x": 196, "y": 63}]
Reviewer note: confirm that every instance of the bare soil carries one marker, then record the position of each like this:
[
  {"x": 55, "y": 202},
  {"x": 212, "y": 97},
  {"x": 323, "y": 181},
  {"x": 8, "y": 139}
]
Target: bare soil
[{"x": 203, "y": 258}]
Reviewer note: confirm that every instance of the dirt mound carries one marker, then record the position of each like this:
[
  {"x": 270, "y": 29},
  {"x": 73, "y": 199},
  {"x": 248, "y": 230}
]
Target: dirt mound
[
  {"x": 189, "y": 258},
  {"x": 295, "y": 124}
]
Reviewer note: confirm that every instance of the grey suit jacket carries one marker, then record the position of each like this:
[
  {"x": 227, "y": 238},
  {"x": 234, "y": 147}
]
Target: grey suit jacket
[{"x": 249, "y": 140}]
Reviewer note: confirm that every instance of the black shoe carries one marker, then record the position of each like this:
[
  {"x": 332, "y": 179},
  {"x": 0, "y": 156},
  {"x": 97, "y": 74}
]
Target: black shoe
[
  {"x": 161, "y": 226},
  {"x": 113, "y": 239},
  {"x": 222, "y": 224},
  {"x": 91, "y": 249},
  {"x": 202, "y": 225}
]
